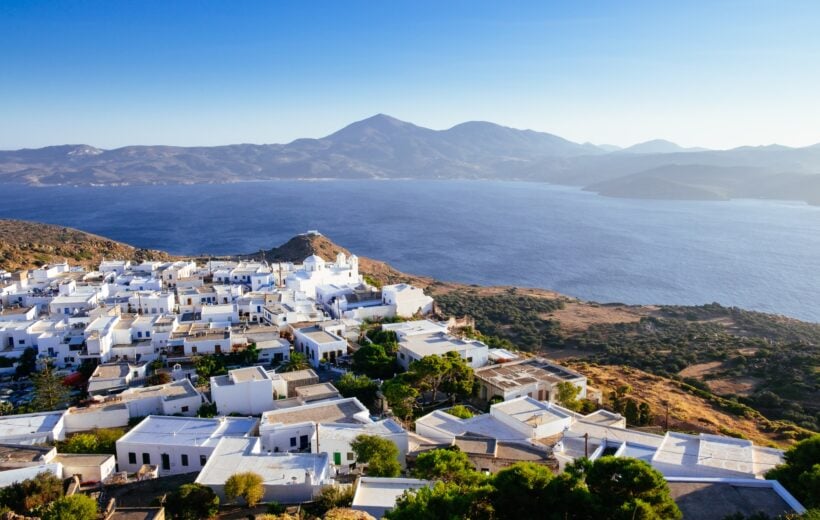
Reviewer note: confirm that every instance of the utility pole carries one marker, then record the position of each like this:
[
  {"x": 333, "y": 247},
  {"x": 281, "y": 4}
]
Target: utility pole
[
  {"x": 317, "y": 438},
  {"x": 586, "y": 445}
]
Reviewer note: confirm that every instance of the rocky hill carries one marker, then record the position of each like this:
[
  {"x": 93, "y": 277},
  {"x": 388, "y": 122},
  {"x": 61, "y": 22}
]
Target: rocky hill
[{"x": 25, "y": 245}]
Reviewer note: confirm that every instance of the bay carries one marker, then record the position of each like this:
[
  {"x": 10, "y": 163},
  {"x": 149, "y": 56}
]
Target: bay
[{"x": 755, "y": 254}]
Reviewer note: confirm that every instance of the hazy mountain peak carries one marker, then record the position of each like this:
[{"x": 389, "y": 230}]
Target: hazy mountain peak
[{"x": 658, "y": 146}]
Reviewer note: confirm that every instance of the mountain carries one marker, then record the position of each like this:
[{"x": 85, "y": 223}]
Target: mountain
[
  {"x": 383, "y": 147},
  {"x": 659, "y": 146},
  {"x": 380, "y": 147}
]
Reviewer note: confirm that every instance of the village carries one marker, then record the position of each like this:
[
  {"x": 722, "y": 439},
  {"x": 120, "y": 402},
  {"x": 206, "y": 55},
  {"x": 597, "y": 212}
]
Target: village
[{"x": 310, "y": 378}]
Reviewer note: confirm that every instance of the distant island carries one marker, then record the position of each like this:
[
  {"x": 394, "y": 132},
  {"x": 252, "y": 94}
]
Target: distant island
[{"x": 382, "y": 147}]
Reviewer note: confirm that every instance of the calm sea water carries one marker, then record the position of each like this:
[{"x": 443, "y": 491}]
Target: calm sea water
[{"x": 762, "y": 255}]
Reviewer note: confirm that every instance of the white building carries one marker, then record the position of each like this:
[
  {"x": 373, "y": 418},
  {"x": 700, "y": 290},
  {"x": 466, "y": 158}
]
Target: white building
[
  {"x": 287, "y": 478},
  {"x": 248, "y": 391},
  {"x": 407, "y": 299},
  {"x": 177, "y": 444},
  {"x": 315, "y": 271},
  {"x": 32, "y": 428},
  {"x": 421, "y": 338},
  {"x": 376, "y": 496},
  {"x": 535, "y": 377},
  {"x": 114, "y": 377},
  {"x": 152, "y": 303},
  {"x": 319, "y": 344},
  {"x": 175, "y": 398},
  {"x": 171, "y": 273},
  {"x": 328, "y": 427}
]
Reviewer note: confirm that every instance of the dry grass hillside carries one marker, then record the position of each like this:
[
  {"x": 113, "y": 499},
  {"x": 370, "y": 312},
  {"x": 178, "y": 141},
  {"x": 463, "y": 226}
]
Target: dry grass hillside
[
  {"x": 688, "y": 412},
  {"x": 24, "y": 245}
]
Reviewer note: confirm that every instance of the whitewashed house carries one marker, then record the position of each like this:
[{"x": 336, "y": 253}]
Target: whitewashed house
[
  {"x": 407, "y": 300},
  {"x": 421, "y": 338},
  {"x": 319, "y": 344},
  {"x": 177, "y": 444},
  {"x": 287, "y": 478}
]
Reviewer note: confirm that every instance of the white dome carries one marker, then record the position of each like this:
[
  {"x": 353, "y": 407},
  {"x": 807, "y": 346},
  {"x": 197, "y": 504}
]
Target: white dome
[{"x": 313, "y": 259}]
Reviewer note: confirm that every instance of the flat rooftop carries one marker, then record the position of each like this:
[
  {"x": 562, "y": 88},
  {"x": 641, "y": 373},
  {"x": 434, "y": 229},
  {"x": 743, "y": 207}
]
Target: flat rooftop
[
  {"x": 247, "y": 374},
  {"x": 276, "y": 469},
  {"x": 316, "y": 391},
  {"x": 188, "y": 431},
  {"x": 26, "y": 424},
  {"x": 718, "y": 500},
  {"x": 113, "y": 370},
  {"x": 527, "y": 372},
  {"x": 319, "y": 335},
  {"x": 377, "y": 495},
  {"x": 531, "y": 412},
  {"x": 338, "y": 411},
  {"x": 298, "y": 375},
  {"x": 414, "y": 328},
  {"x": 175, "y": 390},
  {"x": 18, "y": 453},
  {"x": 438, "y": 343}
]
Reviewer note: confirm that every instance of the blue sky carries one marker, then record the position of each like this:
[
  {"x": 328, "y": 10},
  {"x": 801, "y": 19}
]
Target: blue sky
[{"x": 111, "y": 73}]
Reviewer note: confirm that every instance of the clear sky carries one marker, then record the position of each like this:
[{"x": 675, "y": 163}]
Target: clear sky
[{"x": 112, "y": 73}]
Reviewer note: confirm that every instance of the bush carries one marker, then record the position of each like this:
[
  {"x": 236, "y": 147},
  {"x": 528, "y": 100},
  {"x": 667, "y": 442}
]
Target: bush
[
  {"x": 247, "y": 485},
  {"x": 460, "y": 411},
  {"x": 192, "y": 502},
  {"x": 75, "y": 507}
]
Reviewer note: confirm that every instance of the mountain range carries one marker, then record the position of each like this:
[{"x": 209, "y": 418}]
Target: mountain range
[{"x": 382, "y": 147}]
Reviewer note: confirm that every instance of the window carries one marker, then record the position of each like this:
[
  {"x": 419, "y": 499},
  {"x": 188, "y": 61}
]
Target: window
[
  {"x": 184, "y": 458},
  {"x": 351, "y": 455},
  {"x": 193, "y": 350},
  {"x": 293, "y": 442},
  {"x": 147, "y": 334},
  {"x": 139, "y": 334},
  {"x": 202, "y": 460},
  {"x": 401, "y": 355},
  {"x": 184, "y": 409},
  {"x": 146, "y": 458},
  {"x": 469, "y": 360},
  {"x": 22, "y": 342},
  {"x": 166, "y": 461},
  {"x": 132, "y": 457}
]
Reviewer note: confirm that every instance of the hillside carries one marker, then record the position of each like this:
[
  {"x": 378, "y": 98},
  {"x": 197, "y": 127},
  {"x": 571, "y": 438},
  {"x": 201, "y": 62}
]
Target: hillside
[
  {"x": 383, "y": 147},
  {"x": 25, "y": 245},
  {"x": 760, "y": 369}
]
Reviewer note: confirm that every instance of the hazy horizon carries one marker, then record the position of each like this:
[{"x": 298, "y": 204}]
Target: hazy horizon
[{"x": 111, "y": 74}]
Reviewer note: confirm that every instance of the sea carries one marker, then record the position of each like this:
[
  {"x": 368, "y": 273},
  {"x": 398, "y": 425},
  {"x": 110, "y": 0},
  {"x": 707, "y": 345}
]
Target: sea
[{"x": 757, "y": 254}]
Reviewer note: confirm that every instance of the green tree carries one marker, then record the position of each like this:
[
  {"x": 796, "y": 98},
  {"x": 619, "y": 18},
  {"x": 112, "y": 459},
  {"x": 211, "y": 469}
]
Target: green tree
[
  {"x": 631, "y": 412},
  {"x": 49, "y": 391},
  {"x": 209, "y": 366},
  {"x": 446, "y": 465},
  {"x": 27, "y": 362},
  {"x": 445, "y": 501},
  {"x": 380, "y": 455},
  {"x": 401, "y": 396},
  {"x": 192, "y": 502},
  {"x": 32, "y": 494},
  {"x": 520, "y": 489},
  {"x": 568, "y": 396},
  {"x": 373, "y": 361},
  {"x": 247, "y": 485},
  {"x": 645, "y": 414},
  {"x": 630, "y": 485},
  {"x": 800, "y": 474},
  {"x": 207, "y": 410},
  {"x": 296, "y": 361},
  {"x": 102, "y": 441},
  {"x": 360, "y": 387},
  {"x": 431, "y": 371},
  {"x": 75, "y": 507},
  {"x": 460, "y": 379}
]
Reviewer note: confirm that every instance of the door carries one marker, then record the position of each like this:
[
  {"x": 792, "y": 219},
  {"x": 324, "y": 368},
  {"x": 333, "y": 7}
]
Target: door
[
  {"x": 166, "y": 461},
  {"x": 337, "y": 458},
  {"x": 303, "y": 442}
]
